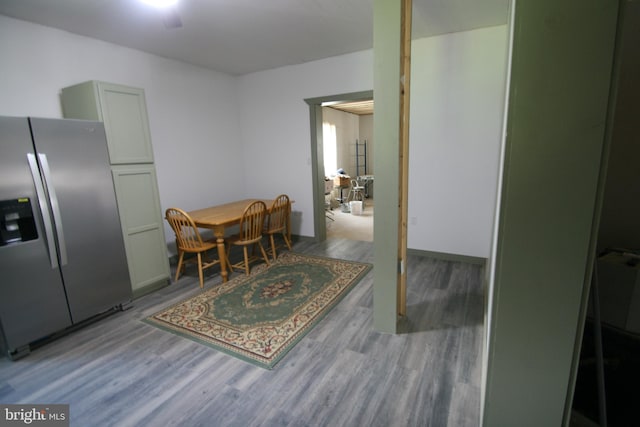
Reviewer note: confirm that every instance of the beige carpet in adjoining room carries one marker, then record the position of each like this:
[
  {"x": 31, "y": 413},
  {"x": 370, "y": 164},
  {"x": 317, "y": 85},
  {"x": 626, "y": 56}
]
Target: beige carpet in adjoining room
[{"x": 350, "y": 226}]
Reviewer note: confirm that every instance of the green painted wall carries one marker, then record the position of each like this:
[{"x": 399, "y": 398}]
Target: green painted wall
[
  {"x": 557, "y": 107},
  {"x": 619, "y": 226},
  {"x": 386, "y": 122}
]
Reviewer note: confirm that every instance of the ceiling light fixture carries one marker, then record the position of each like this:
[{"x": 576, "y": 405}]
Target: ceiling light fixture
[
  {"x": 169, "y": 12},
  {"x": 160, "y": 3}
]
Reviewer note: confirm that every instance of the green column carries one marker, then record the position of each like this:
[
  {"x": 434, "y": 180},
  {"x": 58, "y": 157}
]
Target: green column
[
  {"x": 557, "y": 109},
  {"x": 386, "y": 63}
]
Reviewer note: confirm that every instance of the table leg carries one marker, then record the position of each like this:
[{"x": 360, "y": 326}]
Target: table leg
[{"x": 222, "y": 253}]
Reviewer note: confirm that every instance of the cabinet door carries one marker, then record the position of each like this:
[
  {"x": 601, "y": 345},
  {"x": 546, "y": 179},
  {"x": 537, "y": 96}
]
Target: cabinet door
[
  {"x": 124, "y": 112},
  {"x": 142, "y": 226}
]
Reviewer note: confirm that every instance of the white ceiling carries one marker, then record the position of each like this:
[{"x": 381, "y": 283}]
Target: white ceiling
[{"x": 244, "y": 36}]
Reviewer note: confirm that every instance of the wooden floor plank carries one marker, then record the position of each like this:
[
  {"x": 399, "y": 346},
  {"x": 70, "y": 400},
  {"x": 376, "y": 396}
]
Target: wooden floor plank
[{"x": 121, "y": 371}]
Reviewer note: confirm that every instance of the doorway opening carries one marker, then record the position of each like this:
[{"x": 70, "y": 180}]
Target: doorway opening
[{"x": 340, "y": 125}]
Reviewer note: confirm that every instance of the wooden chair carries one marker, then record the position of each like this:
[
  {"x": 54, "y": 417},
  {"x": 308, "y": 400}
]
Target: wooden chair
[
  {"x": 250, "y": 233},
  {"x": 278, "y": 221},
  {"x": 188, "y": 240}
]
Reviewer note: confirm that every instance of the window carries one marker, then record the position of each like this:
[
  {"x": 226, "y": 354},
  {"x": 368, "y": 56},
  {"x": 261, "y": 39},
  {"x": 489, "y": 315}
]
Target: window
[{"x": 329, "y": 142}]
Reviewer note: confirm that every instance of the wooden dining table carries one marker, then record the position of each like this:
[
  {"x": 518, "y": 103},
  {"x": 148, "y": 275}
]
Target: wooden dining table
[{"x": 219, "y": 218}]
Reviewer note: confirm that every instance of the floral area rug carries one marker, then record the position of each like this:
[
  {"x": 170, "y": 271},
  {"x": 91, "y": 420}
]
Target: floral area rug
[{"x": 259, "y": 318}]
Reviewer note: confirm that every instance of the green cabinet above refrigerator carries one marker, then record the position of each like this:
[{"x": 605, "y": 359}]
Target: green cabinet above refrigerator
[{"x": 123, "y": 110}]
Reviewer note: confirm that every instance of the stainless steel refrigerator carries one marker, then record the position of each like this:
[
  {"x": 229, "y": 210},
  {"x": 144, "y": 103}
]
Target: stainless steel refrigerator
[{"x": 62, "y": 256}]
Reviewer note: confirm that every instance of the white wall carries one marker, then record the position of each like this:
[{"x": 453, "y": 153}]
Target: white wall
[
  {"x": 457, "y": 99},
  {"x": 457, "y": 104},
  {"x": 217, "y": 137},
  {"x": 275, "y": 125},
  {"x": 193, "y": 112}
]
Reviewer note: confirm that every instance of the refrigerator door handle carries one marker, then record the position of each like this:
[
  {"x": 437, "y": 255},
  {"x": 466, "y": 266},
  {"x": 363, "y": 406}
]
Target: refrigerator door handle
[
  {"x": 55, "y": 207},
  {"x": 42, "y": 202}
]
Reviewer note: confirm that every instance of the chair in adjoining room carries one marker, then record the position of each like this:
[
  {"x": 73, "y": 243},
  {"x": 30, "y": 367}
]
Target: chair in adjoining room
[
  {"x": 356, "y": 192},
  {"x": 278, "y": 222},
  {"x": 250, "y": 233},
  {"x": 189, "y": 241}
]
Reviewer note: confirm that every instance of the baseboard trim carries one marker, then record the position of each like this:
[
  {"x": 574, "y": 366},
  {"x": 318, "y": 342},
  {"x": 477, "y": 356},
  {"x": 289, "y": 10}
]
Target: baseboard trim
[
  {"x": 448, "y": 257},
  {"x": 137, "y": 293},
  {"x": 300, "y": 238},
  {"x": 444, "y": 256}
]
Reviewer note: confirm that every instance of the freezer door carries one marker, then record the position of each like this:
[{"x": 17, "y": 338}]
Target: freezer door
[
  {"x": 32, "y": 298},
  {"x": 75, "y": 163}
]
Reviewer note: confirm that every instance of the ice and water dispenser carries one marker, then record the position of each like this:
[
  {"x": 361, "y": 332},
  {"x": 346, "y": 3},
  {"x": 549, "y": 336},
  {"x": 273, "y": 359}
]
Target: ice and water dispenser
[{"x": 17, "y": 223}]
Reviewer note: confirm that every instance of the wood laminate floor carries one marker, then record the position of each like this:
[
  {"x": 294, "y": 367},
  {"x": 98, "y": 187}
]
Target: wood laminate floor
[{"x": 123, "y": 372}]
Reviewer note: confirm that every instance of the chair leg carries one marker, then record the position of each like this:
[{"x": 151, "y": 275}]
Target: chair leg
[
  {"x": 264, "y": 254},
  {"x": 273, "y": 246},
  {"x": 246, "y": 260},
  {"x": 200, "y": 275},
  {"x": 286, "y": 239},
  {"x": 180, "y": 260}
]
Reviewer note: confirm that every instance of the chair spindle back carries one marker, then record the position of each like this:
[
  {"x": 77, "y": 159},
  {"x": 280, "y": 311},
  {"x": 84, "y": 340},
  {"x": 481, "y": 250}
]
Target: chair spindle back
[
  {"x": 252, "y": 221},
  {"x": 279, "y": 213},
  {"x": 187, "y": 235}
]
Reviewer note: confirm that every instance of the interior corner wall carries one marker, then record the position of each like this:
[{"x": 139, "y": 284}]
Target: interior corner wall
[
  {"x": 457, "y": 102},
  {"x": 251, "y": 133},
  {"x": 275, "y": 128},
  {"x": 193, "y": 111},
  {"x": 457, "y": 106},
  {"x": 619, "y": 225}
]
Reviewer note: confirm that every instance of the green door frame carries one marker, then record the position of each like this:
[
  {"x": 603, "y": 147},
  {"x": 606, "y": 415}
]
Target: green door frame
[{"x": 317, "y": 154}]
